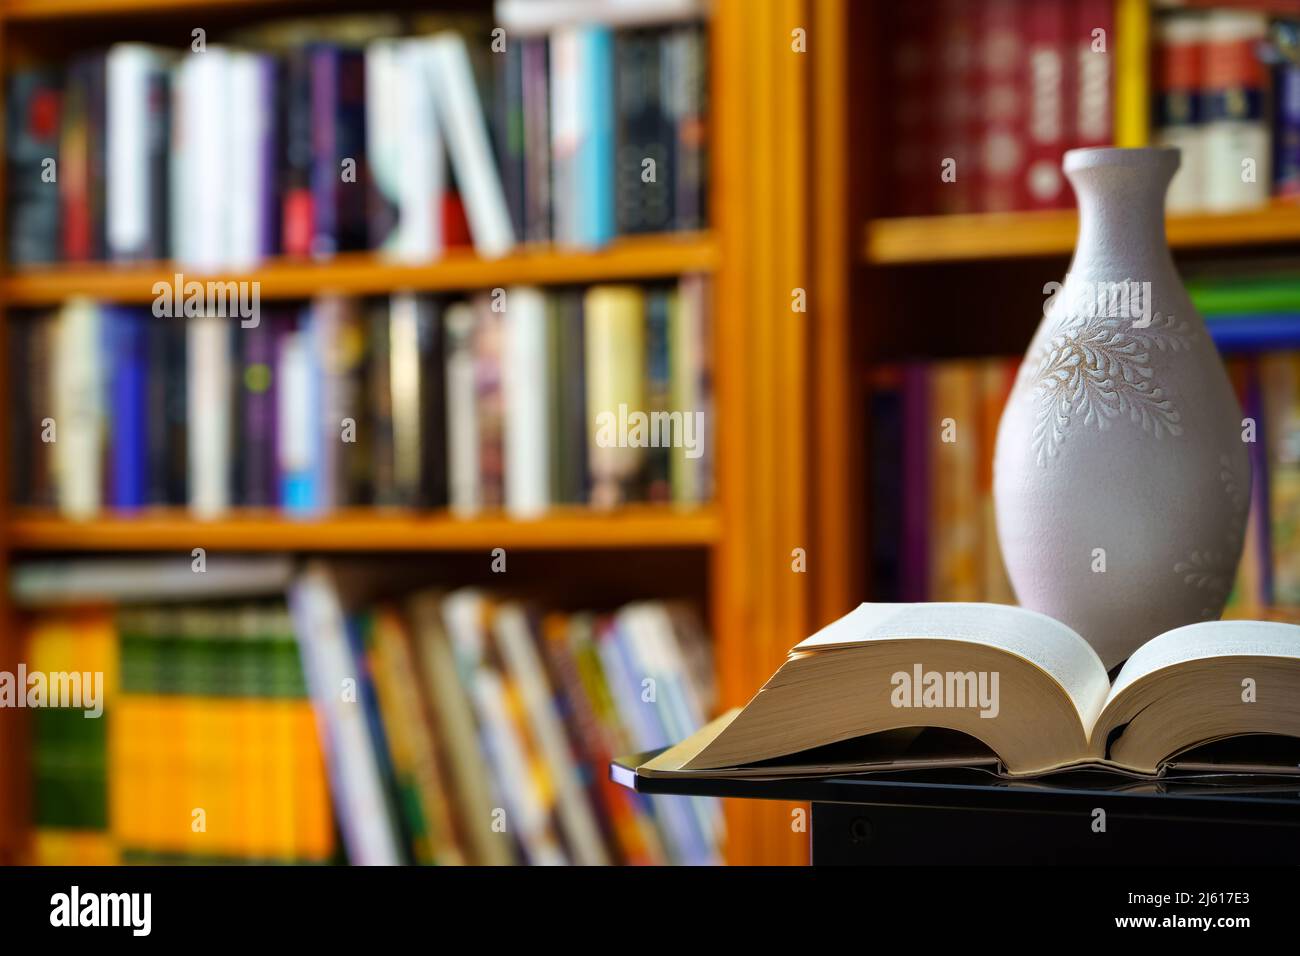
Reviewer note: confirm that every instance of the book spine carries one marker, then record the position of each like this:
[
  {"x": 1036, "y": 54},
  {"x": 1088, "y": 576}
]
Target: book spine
[
  {"x": 384, "y": 143},
  {"x": 1093, "y": 32},
  {"x": 129, "y": 445},
  {"x": 127, "y": 73},
  {"x": 537, "y": 140},
  {"x": 1286, "y": 131},
  {"x": 661, "y": 305},
  {"x": 1177, "y": 112},
  {"x": 1002, "y": 143},
  {"x": 209, "y": 424},
  {"x": 78, "y": 390},
  {"x": 615, "y": 370},
  {"x": 433, "y": 405},
  {"x": 32, "y": 135},
  {"x": 258, "y": 451},
  {"x": 462, "y": 425},
  {"x": 1043, "y": 185},
  {"x": 684, "y": 63},
  {"x": 74, "y": 158},
  {"x": 298, "y": 209},
  {"x": 175, "y": 414},
  {"x": 917, "y": 426},
  {"x": 510, "y": 140},
  {"x": 466, "y": 135},
  {"x": 596, "y": 221},
  {"x": 960, "y": 92},
  {"x": 526, "y": 425},
  {"x": 1238, "y": 144},
  {"x": 489, "y": 414}
]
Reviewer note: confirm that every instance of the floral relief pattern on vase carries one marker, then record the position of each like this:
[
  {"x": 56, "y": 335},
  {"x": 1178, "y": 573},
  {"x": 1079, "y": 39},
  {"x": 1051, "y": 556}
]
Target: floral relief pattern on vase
[
  {"x": 1097, "y": 369},
  {"x": 1214, "y": 570}
]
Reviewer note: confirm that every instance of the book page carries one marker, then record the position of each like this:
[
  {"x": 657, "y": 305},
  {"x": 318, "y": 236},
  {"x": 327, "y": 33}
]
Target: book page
[
  {"x": 1046, "y": 643},
  {"x": 1208, "y": 639}
]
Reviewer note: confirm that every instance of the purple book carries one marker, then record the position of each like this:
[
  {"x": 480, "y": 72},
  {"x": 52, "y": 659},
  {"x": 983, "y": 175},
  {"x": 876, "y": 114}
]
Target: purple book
[
  {"x": 338, "y": 109},
  {"x": 257, "y": 390},
  {"x": 916, "y": 483}
]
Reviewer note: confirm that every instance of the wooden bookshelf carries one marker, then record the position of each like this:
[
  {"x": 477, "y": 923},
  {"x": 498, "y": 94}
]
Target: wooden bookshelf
[
  {"x": 933, "y": 239},
  {"x": 758, "y": 249},
  {"x": 364, "y": 274},
  {"x": 368, "y": 529}
]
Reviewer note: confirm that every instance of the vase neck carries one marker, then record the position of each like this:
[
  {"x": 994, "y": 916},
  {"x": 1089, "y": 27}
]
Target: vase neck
[{"x": 1121, "y": 197}]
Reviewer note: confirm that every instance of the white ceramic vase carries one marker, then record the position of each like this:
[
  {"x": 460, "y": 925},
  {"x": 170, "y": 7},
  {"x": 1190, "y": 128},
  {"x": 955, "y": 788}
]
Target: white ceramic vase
[{"x": 1121, "y": 479}]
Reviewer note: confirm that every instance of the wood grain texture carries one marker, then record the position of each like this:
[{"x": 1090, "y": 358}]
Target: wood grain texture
[
  {"x": 365, "y": 530},
  {"x": 920, "y": 239},
  {"x": 364, "y": 274}
]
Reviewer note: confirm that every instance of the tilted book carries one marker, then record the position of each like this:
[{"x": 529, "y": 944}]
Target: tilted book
[{"x": 911, "y": 686}]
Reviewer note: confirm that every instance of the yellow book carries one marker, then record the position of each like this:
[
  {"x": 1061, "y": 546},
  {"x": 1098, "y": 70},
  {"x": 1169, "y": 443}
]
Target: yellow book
[
  {"x": 954, "y": 464},
  {"x": 614, "y": 318}
]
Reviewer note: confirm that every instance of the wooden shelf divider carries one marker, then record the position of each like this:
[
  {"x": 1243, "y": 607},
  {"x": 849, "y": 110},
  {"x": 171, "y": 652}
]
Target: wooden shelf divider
[
  {"x": 648, "y": 257},
  {"x": 368, "y": 529},
  {"x": 919, "y": 239}
]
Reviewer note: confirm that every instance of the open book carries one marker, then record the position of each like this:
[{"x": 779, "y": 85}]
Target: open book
[{"x": 893, "y": 686}]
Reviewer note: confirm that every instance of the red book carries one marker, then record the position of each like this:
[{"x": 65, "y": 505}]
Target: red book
[
  {"x": 1094, "y": 73},
  {"x": 1002, "y": 144},
  {"x": 1042, "y": 185},
  {"x": 914, "y": 165},
  {"x": 958, "y": 105}
]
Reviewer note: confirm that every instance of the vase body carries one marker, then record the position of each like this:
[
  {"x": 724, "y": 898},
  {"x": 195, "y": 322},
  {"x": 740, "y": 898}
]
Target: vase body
[{"x": 1121, "y": 477}]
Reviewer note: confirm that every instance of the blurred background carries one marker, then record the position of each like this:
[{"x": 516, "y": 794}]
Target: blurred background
[{"x": 416, "y": 407}]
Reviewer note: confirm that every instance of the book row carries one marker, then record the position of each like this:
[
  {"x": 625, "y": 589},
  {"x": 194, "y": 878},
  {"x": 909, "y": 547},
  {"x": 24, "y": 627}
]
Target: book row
[
  {"x": 207, "y": 747},
  {"x": 514, "y": 399},
  {"x": 932, "y": 525},
  {"x": 1227, "y": 94},
  {"x": 448, "y": 727},
  {"x": 987, "y": 97},
  {"x": 404, "y": 135}
]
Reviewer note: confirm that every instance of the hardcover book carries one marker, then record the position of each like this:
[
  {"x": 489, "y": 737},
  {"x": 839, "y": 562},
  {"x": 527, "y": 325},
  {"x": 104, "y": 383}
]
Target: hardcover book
[{"x": 910, "y": 686}]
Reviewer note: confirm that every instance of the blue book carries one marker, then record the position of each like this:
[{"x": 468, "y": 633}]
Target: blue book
[
  {"x": 1259, "y": 332},
  {"x": 128, "y": 351},
  {"x": 596, "y": 220},
  {"x": 300, "y": 432}
]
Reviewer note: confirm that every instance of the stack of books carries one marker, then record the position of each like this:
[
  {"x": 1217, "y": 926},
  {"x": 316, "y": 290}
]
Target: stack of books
[
  {"x": 406, "y": 135},
  {"x": 515, "y": 399}
]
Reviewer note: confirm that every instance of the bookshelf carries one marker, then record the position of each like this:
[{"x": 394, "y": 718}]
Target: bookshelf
[
  {"x": 939, "y": 287},
  {"x": 765, "y": 362}
]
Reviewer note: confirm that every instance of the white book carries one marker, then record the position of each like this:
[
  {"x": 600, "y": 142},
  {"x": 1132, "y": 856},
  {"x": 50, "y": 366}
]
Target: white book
[
  {"x": 464, "y": 127},
  {"x": 129, "y": 72},
  {"x": 94, "y": 581},
  {"x": 464, "y": 496},
  {"x": 568, "y": 130},
  {"x": 404, "y": 146},
  {"x": 369, "y": 832},
  {"x": 524, "y": 17},
  {"x": 79, "y": 383},
  {"x": 249, "y": 115},
  {"x": 577, "y": 818},
  {"x": 525, "y": 379},
  {"x": 200, "y": 161},
  {"x": 208, "y": 388}
]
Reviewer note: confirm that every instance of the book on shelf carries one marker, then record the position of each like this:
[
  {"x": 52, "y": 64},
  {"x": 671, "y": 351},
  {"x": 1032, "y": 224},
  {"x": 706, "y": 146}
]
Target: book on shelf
[
  {"x": 932, "y": 428},
  {"x": 518, "y": 400},
  {"x": 437, "y": 725},
  {"x": 908, "y": 686},
  {"x": 985, "y": 98},
  {"x": 405, "y": 135}
]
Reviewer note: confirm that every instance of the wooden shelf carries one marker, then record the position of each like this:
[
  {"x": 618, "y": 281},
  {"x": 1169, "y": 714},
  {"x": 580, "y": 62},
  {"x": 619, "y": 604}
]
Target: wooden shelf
[
  {"x": 1052, "y": 233},
  {"x": 368, "y": 529},
  {"x": 37, "y": 10},
  {"x": 649, "y": 257}
]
